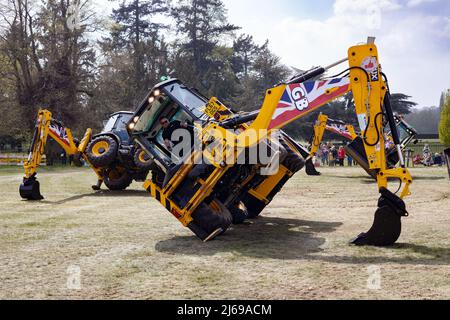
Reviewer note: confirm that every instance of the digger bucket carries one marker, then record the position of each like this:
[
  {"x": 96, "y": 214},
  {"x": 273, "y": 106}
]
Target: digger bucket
[
  {"x": 310, "y": 168},
  {"x": 387, "y": 225},
  {"x": 30, "y": 190}
]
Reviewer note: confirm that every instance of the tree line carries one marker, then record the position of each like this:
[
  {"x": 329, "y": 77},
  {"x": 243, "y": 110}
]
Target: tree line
[{"x": 60, "y": 55}]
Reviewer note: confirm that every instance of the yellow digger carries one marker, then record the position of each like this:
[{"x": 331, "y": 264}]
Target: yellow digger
[
  {"x": 323, "y": 123},
  {"x": 110, "y": 154},
  {"x": 217, "y": 180}
]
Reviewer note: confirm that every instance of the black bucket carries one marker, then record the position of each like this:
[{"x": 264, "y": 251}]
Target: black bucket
[
  {"x": 387, "y": 226},
  {"x": 30, "y": 189}
]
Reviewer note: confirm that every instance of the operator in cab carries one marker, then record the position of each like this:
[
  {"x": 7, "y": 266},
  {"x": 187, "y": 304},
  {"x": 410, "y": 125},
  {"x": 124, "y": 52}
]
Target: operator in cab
[{"x": 169, "y": 127}]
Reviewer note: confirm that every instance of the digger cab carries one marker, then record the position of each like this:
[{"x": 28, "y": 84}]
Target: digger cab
[
  {"x": 172, "y": 100},
  {"x": 116, "y": 125}
]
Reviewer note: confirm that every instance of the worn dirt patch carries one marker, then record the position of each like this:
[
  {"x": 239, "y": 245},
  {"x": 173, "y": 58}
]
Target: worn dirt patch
[{"x": 127, "y": 246}]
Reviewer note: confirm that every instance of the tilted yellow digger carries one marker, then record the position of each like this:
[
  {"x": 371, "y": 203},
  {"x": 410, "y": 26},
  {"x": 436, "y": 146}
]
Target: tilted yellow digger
[
  {"x": 218, "y": 180},
  {"x": 405, "y": 131},
  {"x": 110, "y": 154}
]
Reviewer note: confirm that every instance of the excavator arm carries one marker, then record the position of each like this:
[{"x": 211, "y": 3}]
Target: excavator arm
[
  {"x": 298, "y": 97},
  {"x": 46, "y": 126},
  {"x": 322, "y": 124}
]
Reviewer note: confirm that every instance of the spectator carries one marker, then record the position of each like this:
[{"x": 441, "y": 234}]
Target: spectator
[
  {"x": 325, "y": 152},
  {"x": 333, "y": 156},
  {"x": 438, "y": 159},
  {"x": 349, "y": 160},
  {"x": 341, "y": 156},
  {"x": 427, "y": 156},
  {"x": 63, "y": 158}
]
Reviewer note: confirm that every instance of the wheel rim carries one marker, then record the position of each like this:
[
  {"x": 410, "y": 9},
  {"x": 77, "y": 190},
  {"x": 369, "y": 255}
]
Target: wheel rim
[
  {"x": 142, "y": 157},
  {"x": 99, "y": 148}
]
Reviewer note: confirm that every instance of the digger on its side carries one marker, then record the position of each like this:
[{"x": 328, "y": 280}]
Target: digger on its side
[
  {"x": 216, "y": 181},
  {"x": 111, "y": 154}
]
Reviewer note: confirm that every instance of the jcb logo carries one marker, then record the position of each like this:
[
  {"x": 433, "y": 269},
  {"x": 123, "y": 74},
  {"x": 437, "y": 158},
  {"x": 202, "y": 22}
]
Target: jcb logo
[
  {"x": 370, "y": 64},
  {"x": 299, "y": 98}
]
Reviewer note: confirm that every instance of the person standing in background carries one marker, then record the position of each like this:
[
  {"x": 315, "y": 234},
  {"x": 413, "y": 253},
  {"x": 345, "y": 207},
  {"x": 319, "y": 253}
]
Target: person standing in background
[{"x": 341, "y": 156}]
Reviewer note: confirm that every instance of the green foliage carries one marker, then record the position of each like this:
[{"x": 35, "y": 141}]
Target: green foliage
[
  {"x": 444, "y": 125},
  {"x": 46, "y": 64},
  {"x": 424, "y": 120},
  {"x": 401, "y": 104}
]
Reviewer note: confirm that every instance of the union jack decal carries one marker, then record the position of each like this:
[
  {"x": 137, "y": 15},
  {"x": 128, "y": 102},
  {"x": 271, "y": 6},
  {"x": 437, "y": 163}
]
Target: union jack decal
[
  {"x": 60, "y": 133},
  {"x": 299, "y": 99}
]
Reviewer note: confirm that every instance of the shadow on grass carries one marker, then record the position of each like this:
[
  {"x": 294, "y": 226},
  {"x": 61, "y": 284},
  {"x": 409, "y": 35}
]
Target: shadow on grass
[
  {"x": 428, "y": 178},
  {"x": 409, "y": 254},
  {"x": 351, "y": 177},
  {"x": 291, "y": 239},
  {"x": 100, "y": 193},
  {"x": 265, "y": 237}
]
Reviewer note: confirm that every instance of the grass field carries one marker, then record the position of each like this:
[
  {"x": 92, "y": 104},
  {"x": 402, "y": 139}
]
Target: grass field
[{"x": 125, "y": 245}]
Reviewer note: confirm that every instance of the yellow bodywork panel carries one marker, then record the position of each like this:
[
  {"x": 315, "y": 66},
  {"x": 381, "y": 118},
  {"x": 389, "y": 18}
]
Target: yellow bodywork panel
[
  {"x": 264, "y": 189},
  {"x": 368, "y": 90}
]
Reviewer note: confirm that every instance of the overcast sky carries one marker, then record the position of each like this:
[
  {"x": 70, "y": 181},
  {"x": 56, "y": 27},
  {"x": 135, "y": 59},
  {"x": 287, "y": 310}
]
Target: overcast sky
[{"x": 413, "y": 36}]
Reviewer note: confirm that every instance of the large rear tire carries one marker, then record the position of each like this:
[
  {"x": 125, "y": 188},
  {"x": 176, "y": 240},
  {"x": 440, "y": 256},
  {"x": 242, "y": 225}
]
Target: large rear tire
[
  {"x": 117, "y": 178},
  {"x": 210, "y": 217},
  {"x": 102, "y": 151}
]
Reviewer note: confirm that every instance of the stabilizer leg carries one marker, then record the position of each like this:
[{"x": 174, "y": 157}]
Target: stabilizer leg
[
  {"x": 97, "y": 186},
  {"x": 310, "y": 169},
  {"x": 386, "y": 228}
]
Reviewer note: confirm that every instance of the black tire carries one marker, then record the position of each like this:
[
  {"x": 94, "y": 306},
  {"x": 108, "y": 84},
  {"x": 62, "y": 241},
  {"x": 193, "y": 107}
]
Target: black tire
[
  {"x": 253, "y": 205},
  {"x": 117, "y": 178},
  {"x": 102, "y": 151},
  {"x": 239, "y": 213},
  {"x": 293, "y": 161},
  {"x": 157, "y": 175},
  {"x": 142, "y": 160},
  {"x": 213, "y": 216}
]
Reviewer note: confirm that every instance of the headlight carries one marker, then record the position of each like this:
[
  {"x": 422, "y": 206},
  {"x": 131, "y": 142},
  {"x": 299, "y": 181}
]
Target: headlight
[
  {"x": 135, "y": 119},
  {"x": 151, "y": 99},
  {"x": 156, "y": 93},
  {"x": 131, "y": 126}
]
